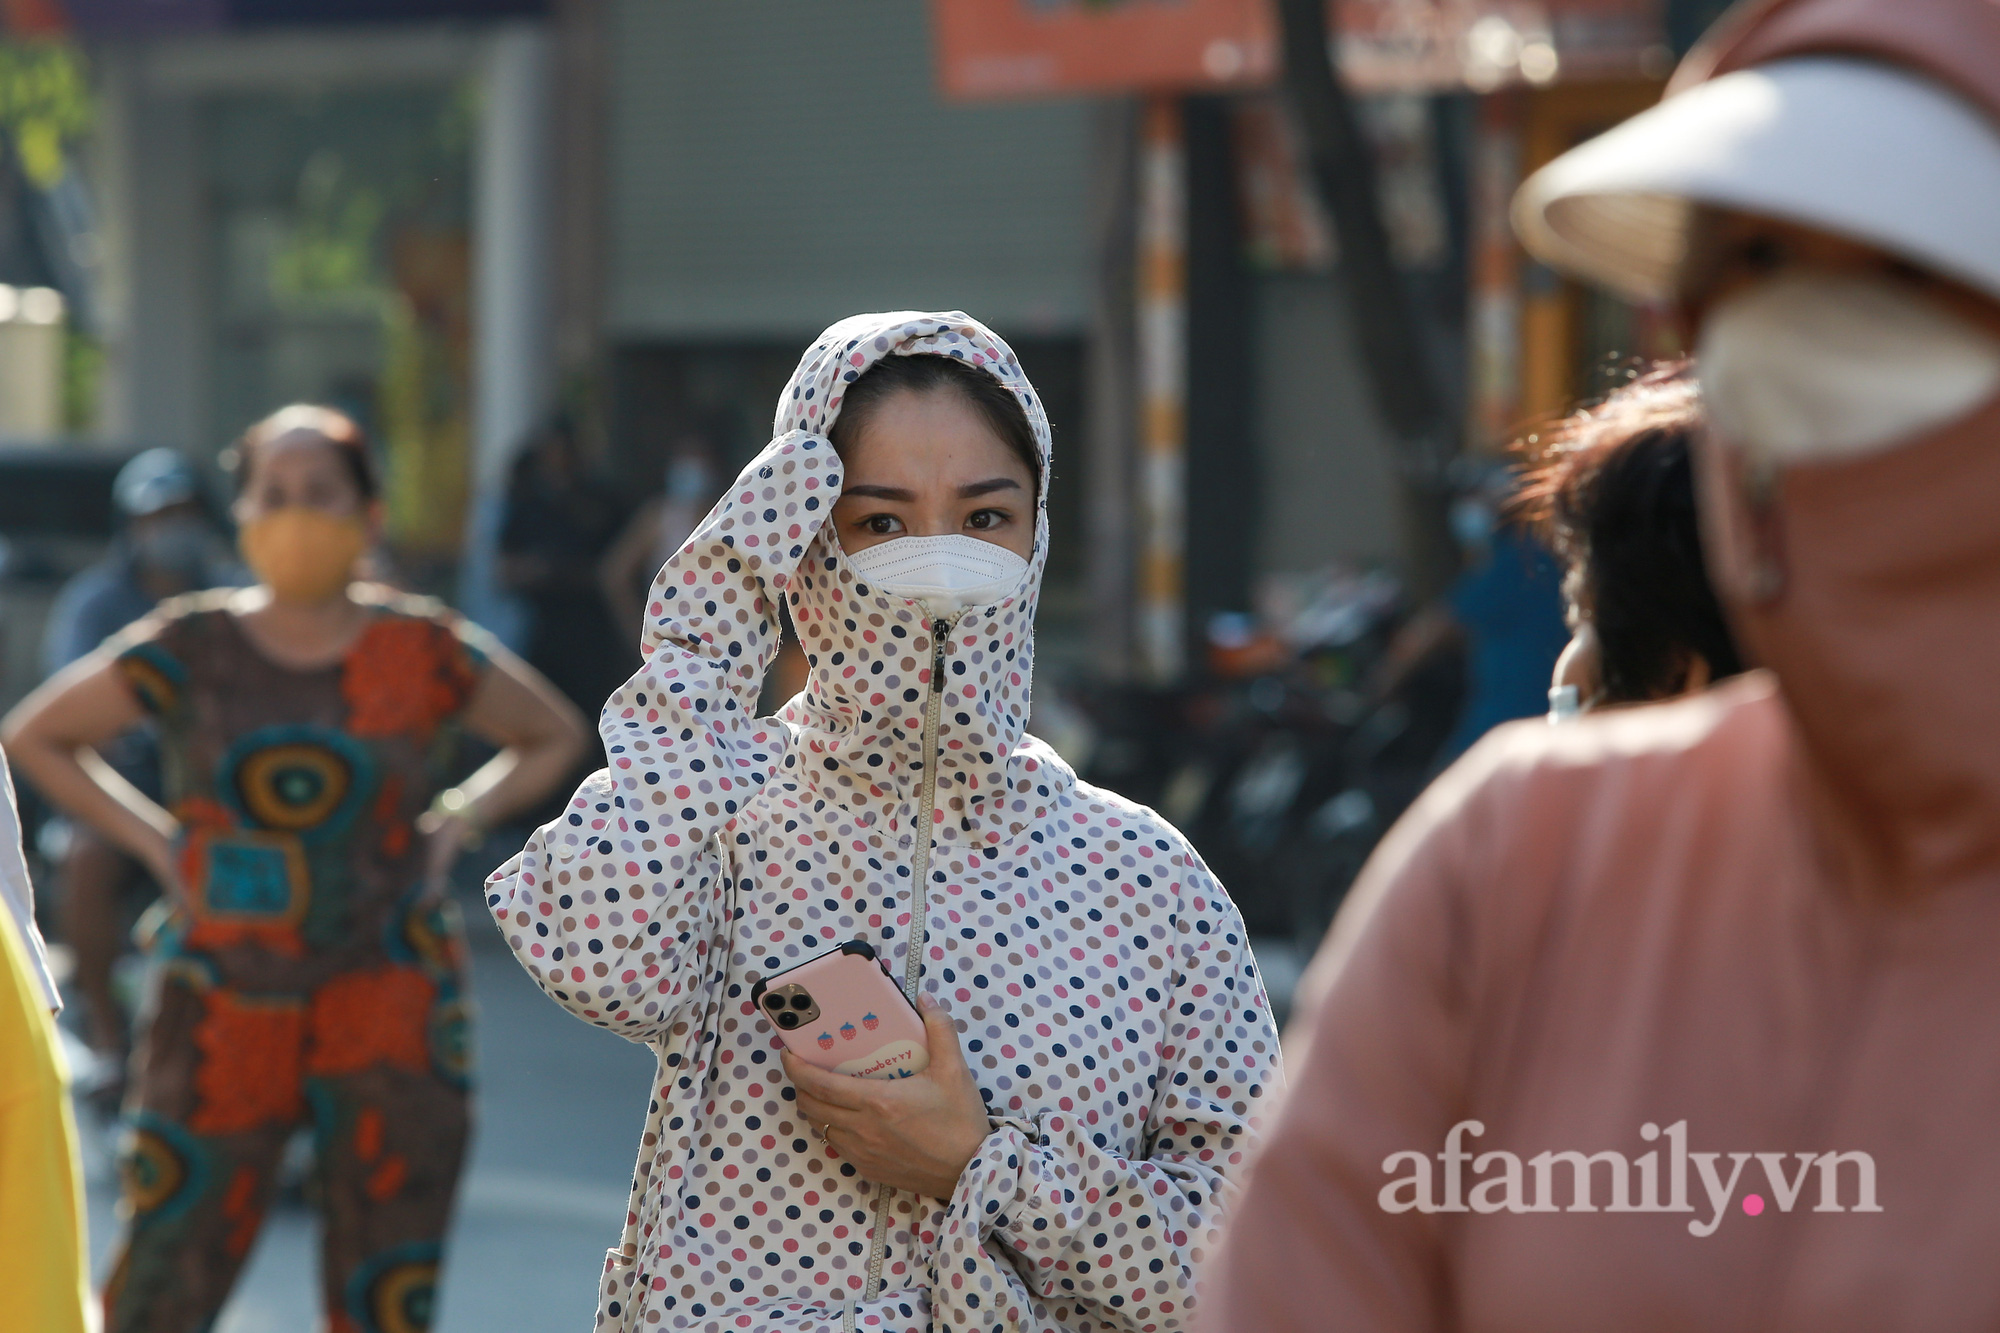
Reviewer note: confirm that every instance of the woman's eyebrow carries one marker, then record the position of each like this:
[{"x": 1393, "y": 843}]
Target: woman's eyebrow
[
  {"x": 880, "y": 492},
  {"x": 988, "y": 487}
]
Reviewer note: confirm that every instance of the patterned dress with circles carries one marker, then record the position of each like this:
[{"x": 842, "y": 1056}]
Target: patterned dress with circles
[
  {"x": 304, "y": 978},
  {"x": 1099, "y": 976}
]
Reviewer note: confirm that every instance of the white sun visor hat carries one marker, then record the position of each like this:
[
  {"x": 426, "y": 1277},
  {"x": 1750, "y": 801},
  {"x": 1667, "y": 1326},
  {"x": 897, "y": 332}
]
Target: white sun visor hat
[{"x": 1854, "y": 147}]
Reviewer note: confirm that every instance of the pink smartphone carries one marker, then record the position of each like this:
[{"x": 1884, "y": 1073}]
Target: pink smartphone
[{"x": 841, "y": 1011}]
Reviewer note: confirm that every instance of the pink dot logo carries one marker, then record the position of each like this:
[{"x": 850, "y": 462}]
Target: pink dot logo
[{"x": 1753, "y": 1204}]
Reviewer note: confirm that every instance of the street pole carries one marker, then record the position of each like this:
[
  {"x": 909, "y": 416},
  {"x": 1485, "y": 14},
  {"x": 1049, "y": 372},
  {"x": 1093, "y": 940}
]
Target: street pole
[
  {"x": 1162, "y": 366},
  {"x": 1398, "y": 370},
  {"x": 512, "y": 374},
  {"x": 1112, "y": 434}
]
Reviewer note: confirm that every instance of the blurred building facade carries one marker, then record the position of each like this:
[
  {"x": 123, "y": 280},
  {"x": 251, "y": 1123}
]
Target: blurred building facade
[
  {"x": 771, "y": 167},
  {"x": 452, "y": 217},
  {"x": 291, "y": 214}
]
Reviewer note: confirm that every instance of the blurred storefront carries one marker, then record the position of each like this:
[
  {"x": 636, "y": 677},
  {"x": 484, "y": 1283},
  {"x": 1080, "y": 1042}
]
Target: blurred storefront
[
  {"x": 452, "y": 216},
  {"x": 1459, "y": 99},
  {"x": 1266, "y": 672},
  {"x": 212, "y": 207},
  {"x": 772, "y": 167},
  {"x": 777, "y": 166},
  {"x": 43, "y": 103},
  {"x": 458, "y": 218},
  {"x": 292, "y": 200}
]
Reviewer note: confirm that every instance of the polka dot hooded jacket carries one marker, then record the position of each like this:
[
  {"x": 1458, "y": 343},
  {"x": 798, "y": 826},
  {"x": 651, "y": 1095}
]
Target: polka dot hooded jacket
[{"x": 1098, "y": 974}]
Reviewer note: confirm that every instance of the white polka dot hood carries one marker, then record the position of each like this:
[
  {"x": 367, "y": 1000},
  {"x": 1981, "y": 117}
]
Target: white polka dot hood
[{"x": 1099, "y": 976}]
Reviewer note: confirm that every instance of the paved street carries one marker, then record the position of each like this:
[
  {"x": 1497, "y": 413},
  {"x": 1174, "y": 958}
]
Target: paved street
[{"x": 559, "y": 1121}]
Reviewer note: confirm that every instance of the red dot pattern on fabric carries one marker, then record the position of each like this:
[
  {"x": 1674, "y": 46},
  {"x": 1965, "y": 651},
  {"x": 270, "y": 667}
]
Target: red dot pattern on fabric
[{"x": 1100, "y": 978}]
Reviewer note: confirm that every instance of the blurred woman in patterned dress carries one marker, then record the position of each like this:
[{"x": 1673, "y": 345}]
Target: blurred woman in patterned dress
[{"x": 311, "y": 970}]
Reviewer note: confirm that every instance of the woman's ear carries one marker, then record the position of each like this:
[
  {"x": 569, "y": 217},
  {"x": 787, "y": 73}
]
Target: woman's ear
[
  {"x": 1580, "y": 663},
  {"x": 373, "y": 516}
]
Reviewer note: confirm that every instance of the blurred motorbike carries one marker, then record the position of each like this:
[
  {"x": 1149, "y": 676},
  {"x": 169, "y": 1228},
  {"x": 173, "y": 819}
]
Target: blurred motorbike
[{"x": 1313, "y": 728}]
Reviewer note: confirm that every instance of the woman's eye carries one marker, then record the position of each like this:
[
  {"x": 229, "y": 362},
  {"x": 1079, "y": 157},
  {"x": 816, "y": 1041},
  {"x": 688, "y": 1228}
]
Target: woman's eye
[
  {"x": 879, "y": 524},
  {"x": 986, "y": 518}
]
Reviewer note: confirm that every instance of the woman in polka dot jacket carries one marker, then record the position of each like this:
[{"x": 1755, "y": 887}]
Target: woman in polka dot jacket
[{"x": 1097, "y": 976}]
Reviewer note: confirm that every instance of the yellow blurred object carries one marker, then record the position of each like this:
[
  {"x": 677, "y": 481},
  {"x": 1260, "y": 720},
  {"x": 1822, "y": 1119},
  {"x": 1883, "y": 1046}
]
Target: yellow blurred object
[
  {"x": 32, "y": 346},
  {"x": 45, "y": 103},
  {"x": 43, "y": 1262},
  {"x": 425, "y": 407}
]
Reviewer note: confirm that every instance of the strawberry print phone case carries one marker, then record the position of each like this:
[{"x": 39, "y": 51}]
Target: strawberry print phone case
[{"x": 841, "y": 1011}]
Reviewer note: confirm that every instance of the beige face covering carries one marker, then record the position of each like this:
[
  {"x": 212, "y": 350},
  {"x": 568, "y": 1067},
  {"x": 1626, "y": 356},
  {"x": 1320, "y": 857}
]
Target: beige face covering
[
  {"x": 303, "y": 555},
  {"x": 1814, "y": 365},
  {"x": 947, "y": 574}
]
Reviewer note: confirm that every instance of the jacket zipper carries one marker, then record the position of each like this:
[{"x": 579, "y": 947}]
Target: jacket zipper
[
  {"x": 920, "y": 873},
  {"x": 920, "y": 855}
]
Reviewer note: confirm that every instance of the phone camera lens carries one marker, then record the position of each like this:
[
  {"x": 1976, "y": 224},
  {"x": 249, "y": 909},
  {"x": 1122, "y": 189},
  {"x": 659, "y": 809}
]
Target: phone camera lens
[
  {"x": 787, "y": 1020},
  {"x": 774, "y": 1002},
  {"x": 802, "y": 1002}
]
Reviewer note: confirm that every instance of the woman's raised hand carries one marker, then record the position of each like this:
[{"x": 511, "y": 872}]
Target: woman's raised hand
[
  {"x": 752, "y": 541},
  {"x": 914, "y": 1133}
]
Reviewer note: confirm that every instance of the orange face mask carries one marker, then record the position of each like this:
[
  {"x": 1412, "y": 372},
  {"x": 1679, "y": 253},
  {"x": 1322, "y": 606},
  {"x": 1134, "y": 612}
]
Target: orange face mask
[{"x": 303, "y": 555}]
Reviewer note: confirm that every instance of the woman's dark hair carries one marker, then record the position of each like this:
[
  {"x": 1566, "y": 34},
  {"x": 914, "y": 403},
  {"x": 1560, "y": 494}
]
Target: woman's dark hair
[
  {"x": 330, "y": 424},
  {"x": 1612, "y": 488},
  {"x": 929, "y": 373}
]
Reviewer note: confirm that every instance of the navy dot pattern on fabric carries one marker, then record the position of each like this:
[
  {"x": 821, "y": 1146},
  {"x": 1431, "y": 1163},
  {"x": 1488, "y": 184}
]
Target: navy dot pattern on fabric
[{"x": 1100, "y": 979}]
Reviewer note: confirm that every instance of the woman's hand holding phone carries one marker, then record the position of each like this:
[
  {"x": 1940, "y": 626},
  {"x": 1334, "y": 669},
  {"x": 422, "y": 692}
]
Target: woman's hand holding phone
[{"x": 916, "y": 1133}]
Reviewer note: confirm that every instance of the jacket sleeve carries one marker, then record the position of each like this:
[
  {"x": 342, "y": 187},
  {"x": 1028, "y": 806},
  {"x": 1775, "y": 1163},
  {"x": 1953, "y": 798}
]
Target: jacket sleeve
[
  {"x": 19, "y": 891},
  {"x": 1047, "y": 1212},
  {"x": 1381, "y": 1049},
  {"x": 612, "y": 906}
]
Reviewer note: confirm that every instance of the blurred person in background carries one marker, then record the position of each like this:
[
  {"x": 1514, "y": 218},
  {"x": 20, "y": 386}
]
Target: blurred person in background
[
  {"x": 1107, "y": 1036},
  {"x": 560, "y": 519},
  {"x": 44, "y": 1259},
  {"x": 1733, "y": 953},
  {"x": 1509, "y": 603},
  {"x": 657, "y": 530},
  {"x": 1507, "y": 609},
  {"x": 1611, "y": 489},
  {"x": 654, "y": 536},
  {"x": 311, "y": 967},
  {"x": 166, "y": 545}
]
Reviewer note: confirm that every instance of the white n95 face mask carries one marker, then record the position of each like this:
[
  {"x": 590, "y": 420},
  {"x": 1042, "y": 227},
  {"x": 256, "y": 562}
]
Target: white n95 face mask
[
  {"x": 947, "y": 574},
  {"x": 1820, "y": 365}
]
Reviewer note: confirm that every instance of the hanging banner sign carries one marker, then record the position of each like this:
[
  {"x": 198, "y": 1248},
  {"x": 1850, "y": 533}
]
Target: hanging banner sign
[{"x": 1028, "y": 48}]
